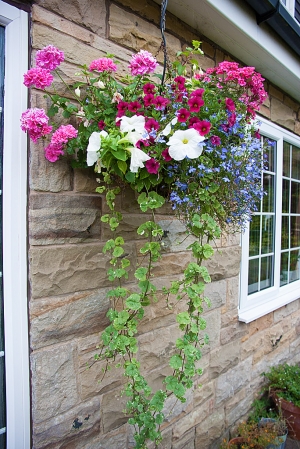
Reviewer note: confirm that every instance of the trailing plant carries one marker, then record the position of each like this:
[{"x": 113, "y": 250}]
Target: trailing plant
[
  {"x": 190, "y": 141},
  {"x": 284, "y": 380}
]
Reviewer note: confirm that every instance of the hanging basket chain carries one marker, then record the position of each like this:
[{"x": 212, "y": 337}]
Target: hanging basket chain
[{"x": 163, "y": 45}]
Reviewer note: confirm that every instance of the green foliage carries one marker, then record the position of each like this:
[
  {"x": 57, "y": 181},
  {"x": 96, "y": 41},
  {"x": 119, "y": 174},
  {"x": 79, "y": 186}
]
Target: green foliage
[{"x": 285, "y": 380}]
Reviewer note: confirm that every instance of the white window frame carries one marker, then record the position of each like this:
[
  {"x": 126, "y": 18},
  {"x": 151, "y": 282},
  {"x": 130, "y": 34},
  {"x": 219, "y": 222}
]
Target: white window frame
[
  {"x": 289, "y": 6},
  {"x": 14, "y": 229},
  {"x": 252, "y": 307}
]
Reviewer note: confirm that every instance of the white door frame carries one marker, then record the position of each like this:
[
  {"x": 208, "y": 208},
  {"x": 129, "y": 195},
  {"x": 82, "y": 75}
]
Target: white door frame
[{"x": 14, "y": 229}]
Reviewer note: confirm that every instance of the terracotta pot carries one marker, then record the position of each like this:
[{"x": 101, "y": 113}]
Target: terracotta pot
[{"x": 291, "y": 414}]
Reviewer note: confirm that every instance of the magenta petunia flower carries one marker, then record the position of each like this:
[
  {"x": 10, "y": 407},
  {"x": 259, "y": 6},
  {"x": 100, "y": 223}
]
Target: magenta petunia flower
[
  {"x": 160, "y": 102},
  {"x": 149, "y": 88},
  {"x": 134, "y": 106},
  {"x": 198, "y": 92},
  {"x": 215, "y": 140},
  {"x": 52, "y": 152},
  {"x": 143, "y": 63},
  {"x": 103, "y": 65},
  {"x": 35, "y": 122},
  {"x": 232, "y": 119},
  {"x": 180, "y": 81},
  {"x": 152, "y": 166},
  {"x": 49, "y": 57},
  {"x": 38, "y": 77},
  {"x": 192, "y": 121},
  {"x": 195, "y": 103},
  {"x": 151, "y": 124},
  {"x": 230, "y": 105},
  {"x": 165, "y": 154},
  {"x": 63, "y": 134},
  {"x": 122, "y": 106},
  {"x": 183, "y": 115},
  {"x": 203, "y": 127},
  {"x": 148, "y": 100},
  {"x": 101, "y": 124}
]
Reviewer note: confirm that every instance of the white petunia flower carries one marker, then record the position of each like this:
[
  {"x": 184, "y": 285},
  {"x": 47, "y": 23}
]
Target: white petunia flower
[
  {"x": 77, "y": 92},
  {"x": 166, "y": 131},
  {"x": 134, "y": 123},
  {"x": 117, "y": 97},
  {"x": 94, "y": 147},
  {"x": 185, "y": 143},
  {"x": 138, "y": 157},
  {"x": 100, "y": 84}
]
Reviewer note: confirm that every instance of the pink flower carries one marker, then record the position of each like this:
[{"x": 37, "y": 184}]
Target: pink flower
[
  {"x": 152, "y": 166},
  {"x": 198, "y": 92},
  {"x": 103, "y": 65},
  {"x": 160, "y": 102},
  {"x": 230, "y": 105},
  {"x": 101, "y": 125},
  {"x": 192, "y": 121},
  {"x": 49, "y": 57},
  {"x": 149, "y": 88},
  {"x": 232, "y": 119},
  {"x": 257, "y": 134},
  {"x": 183, "y": 115},
  {"x": 35, "y": 122},
  {"x": 202, "y": 127},
  {"x": 148, "y": 100},
  {"x": 151, "y": 124},
  {"x": 122, "y": 106},
  {"x": 38, "y": 77},
  {"x": 195, "y": 103},
  {"x": 143, "y": 63},
  {"x": 165, "y": 154},
  {"x": 180, "y": 81},
  {"x": 52, "y": 152},
  {"x": 215, "y": 140},
  {"x": 63, "y": 134},
  {"x": 134, "y": 106}
]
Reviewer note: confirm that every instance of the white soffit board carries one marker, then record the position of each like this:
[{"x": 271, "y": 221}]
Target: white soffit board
[{"x": 231, "y": 24}]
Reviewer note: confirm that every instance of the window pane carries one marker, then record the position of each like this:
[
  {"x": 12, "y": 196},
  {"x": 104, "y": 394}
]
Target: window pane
[
  {"x": 286, "y": 159},
  {"x": 266, "y": 272},
  {"x": 295, "y": 232},
  {"x": 295, "y": 162},
  {"x": 254, "y": 238},
  {"x": 253, "y": 276},
  {"x": 268, "y": 200},
  {"x": 295, "y": 197},
  {"x": 267, "y": 238},
  {"x": 285, "y": 232},
  {"x": 270, "y": 152},
  {"x": 285, "y": 196}
]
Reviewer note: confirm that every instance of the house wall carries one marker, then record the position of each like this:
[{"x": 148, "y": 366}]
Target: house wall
[{"x": 71, "y": 408}]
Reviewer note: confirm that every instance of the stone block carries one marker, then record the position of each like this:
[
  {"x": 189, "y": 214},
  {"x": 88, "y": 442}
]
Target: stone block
[
  {"x": 112, "y": 410},
  {"x": 225, "y": 263},
  {"x": 234, "y": 331},
  {"x": 64, "y": 218},
  {"x": 291, "y": 103},
  {"x": 69, "y": 430},
  {"x": 223, "y": 358},
  {"x": 85, "y": 180},
  {"x": 262, "y": 323},
  {"x": 174, "y": 408},
  {"x": 237, "y": 407},
  {"x": 158, "y": 315},
  {"x": 90, "y": 14},
  {"x": 252, "y": 345},
  {"x": 209, "y": 429},
  {"x": 166, "y": 442},
  {"x": 203, "y": 391},
  {"x": 94, "y": 376},
  {"x": 274, "y": 92},
  {"x": 133, "y": 32},
  {"x": 64, "y": 269},
  {"x": 127, "y": 228},
  {"x": 213, "y": 326},
  {"x": 175, "y": 238},
  {"x": 216, "y": 292},
  {"x": 208, "y": 49},
  {"x": 79, "y": 315},
  {"x": 192, "y": 419},
  {"x": 265, "y": 111},
  {"x": 285, "y": 311},
  {"x": 187, "y": 441},
  {"x": 232, "y": 293},
  {"x": 234, "y": 379},
  {"x": 282, "y": 114},
  {"x": 172, "y": 264},
  {"x": 54, "y": 387},
  {"x": 112, "y": 440}
]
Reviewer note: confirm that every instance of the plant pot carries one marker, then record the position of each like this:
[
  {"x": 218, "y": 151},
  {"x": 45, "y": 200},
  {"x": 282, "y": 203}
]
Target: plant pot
[
  {"x": 291, "y": 414},
  {"x": 279, "y": 442},
  {"x": 238, "y": 441}
]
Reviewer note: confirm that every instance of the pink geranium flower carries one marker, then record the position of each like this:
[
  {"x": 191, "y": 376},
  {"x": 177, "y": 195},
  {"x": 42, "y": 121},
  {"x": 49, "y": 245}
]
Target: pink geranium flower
[
  {"x": 38, "y": 77},
  {"x": 35, "y": 122},
  {"x": 143, "y": 63},
  {"x": 203, "y": 127},
  {"x": 63, "y": 134},
  {"x": 103, "y": 65},
  {"x": 183, "y": 115},
  {"x": 49, "y": 57},
  {"x": 52, "y": 152},
  {"x": 152, "y": 166}
]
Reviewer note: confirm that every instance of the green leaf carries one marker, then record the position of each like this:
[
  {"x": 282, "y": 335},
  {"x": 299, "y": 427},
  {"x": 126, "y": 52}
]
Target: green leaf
[
  {"x": 121, "y": 320},
  {"x": 172, "y": 384},
  {"x": 118, "y": 251},
  {"x": 119, "y": 241},
  {"x": 141, "y": 273},
  {"x": 183, "y": 318},
  {"x": 133, "y": 302},
  {"x": 122, "y": 166},
  {"x": 207, "y": 251},
  {"x": 120, "y": 154},
  {"x": 176, "y": 361}
]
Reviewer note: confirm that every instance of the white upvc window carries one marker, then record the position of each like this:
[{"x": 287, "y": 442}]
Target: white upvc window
[
  {"x": 293, "y": 7},
  {"x": 270, "y": 268}
]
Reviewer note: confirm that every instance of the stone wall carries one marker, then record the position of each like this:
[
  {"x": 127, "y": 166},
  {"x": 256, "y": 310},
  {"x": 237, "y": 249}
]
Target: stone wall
[{"x": 71, "y": 408}]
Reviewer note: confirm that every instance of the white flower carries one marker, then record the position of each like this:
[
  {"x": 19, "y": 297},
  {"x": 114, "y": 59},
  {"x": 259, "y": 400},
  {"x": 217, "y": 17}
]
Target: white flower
[
  {"x": 77, "y": 92},
  {"x": 136, "y": 122},
  {"x": 117, "y": 97},
  {"x": 94, "y": 147},
  {"x": 137, "y": 159},
  {"x": 100, "y": 84},
  {"x": 166, "y": 131},
  {"x": 185, "y": 143}
]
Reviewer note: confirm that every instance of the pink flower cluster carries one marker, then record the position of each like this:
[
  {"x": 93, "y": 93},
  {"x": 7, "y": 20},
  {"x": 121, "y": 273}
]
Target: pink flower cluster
[
  {"x": 49, "y": 57},
  {"x": 103, "y": 65},
  {"x": 38, "y": 77},
  {"x": 61, "y": 136},
  {"x": 143, "y": 63},
  {"x": 35, "y": 122}
]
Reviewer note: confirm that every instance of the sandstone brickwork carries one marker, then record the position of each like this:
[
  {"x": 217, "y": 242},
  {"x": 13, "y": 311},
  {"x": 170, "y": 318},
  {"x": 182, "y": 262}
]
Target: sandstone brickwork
[{"x": 72, "y": 407}]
